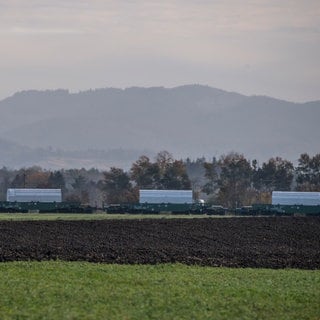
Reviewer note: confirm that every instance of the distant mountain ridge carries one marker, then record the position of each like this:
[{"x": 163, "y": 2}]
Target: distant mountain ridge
[
  {"x": 13, "y": 155},
  {"x": 189, "y": 121}
]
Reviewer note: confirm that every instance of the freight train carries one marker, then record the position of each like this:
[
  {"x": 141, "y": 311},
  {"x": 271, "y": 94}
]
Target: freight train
[
  {"x": 198, "y": 208},
  {"x": 161, "y": 201}
]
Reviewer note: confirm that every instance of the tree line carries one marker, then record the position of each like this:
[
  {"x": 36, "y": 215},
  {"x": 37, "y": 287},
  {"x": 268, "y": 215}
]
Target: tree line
[
  {"x": 231, "y": 181},
  {"x": 235, "y": 181}
]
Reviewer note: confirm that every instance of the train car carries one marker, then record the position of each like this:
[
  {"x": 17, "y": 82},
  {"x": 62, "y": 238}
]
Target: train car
[
  {"x": 160, "y": 201},
  {"x": 156, "y": 208},
  {"x": 44, "y": 207},
  {"x": 286, "y": 203},
  {"x": 40, "y": 200}
]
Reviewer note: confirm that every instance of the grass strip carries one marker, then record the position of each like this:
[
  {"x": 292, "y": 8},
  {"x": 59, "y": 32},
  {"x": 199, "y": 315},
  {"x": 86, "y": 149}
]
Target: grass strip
[
  {"x": 79, "y": 290},
  {"x": 93, "y": 216}
]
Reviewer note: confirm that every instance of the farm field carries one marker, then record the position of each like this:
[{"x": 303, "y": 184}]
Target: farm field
[
  {"x": 273, "y": 242},
  {"x": 201, "y": 268},
  {"x": 82, "y": 290}
]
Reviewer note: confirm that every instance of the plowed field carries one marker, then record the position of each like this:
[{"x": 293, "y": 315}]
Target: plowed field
[{"x": 273, "y": 242}]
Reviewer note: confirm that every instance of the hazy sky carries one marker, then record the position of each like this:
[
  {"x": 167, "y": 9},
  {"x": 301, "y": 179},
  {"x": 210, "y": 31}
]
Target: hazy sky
[{"x": 268, "y": 47}]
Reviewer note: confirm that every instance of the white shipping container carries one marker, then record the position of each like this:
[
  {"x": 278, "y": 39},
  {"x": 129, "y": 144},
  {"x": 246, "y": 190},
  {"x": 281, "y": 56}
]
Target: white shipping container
[
  {"x": 165, "y": 196},
  {"x": 296, "y": 198},
  {"x": 40, "y": 195}
]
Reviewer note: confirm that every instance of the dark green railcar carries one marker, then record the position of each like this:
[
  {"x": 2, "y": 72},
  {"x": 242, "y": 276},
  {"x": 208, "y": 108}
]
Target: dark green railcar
[
  {"x": 155, "y": 208},
  {"x": 278, "y": 210},
  {"x": 44, "y": 207}
]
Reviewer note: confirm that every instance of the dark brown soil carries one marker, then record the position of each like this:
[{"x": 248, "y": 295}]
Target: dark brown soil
[{"x": 273, "y": 242}]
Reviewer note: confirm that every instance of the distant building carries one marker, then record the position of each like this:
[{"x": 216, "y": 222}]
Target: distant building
[{"x": 36, "y": 195}]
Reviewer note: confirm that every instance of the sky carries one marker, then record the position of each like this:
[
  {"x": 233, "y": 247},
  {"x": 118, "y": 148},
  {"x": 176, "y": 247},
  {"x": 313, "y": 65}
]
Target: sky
[{"x": 253, "y": 47}]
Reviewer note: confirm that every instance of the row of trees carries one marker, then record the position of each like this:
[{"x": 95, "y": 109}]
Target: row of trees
[
  {"x": 95, "y": 187},
  {"x": 76, "y": 184},
  {"x": 164, "y": 173},
  {"x": 232, "y": 180},
  {"x": 235, "y": 181}
]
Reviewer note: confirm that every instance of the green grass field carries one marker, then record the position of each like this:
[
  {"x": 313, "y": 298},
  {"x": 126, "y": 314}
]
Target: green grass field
[
  {"x": 93, "y": 216},
  {"x": 53, "y": 216},
  {"x": 77, "y": 290}
]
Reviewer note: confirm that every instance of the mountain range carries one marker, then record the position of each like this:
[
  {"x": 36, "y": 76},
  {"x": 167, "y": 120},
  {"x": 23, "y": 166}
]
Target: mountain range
[{"x": 113, "y": 127}]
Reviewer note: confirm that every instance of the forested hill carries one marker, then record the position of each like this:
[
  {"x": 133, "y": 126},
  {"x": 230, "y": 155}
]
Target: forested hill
[{"x": 189, "y": 121}]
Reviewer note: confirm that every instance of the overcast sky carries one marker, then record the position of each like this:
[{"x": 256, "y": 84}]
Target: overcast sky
[{"x": 267, "y": 47}]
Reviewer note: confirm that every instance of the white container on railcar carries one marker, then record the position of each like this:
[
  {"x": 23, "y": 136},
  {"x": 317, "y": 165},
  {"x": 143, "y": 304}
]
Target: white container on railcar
[
  {"x": 165, "y": 196},
  {"x": 296, "y": 198},
  {"x": 36, "y": 195}
]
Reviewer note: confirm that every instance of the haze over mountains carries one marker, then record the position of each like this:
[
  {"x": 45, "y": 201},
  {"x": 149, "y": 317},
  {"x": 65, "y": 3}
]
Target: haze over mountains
[{"x": 104, "y": 127}]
